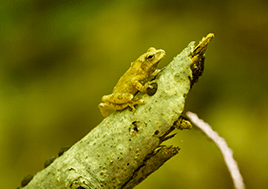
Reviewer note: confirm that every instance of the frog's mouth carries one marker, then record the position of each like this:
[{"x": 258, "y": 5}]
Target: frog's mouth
[
  {"x": 160, "y": 56},
  {"x": 154, "y": 66},
  {"x": 156, "y": 63}
]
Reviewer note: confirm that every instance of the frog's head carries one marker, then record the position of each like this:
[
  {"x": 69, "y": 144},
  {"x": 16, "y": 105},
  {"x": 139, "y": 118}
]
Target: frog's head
[{"x": 150, "y": 59}]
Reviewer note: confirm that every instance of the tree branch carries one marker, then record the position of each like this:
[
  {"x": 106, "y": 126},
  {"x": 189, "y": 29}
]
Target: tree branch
[{"x": 126, "y": 146}]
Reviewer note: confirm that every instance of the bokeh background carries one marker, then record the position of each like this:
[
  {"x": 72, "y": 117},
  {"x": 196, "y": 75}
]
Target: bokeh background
[{"x": 57, "y": 59}]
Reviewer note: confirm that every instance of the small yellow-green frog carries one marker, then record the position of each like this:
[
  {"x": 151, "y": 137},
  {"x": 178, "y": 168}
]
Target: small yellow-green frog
[{"x": 135, "y": 79}]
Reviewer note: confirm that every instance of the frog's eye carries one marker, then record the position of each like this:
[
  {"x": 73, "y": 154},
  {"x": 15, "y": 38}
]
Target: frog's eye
[{"x": 150, "y": 57}]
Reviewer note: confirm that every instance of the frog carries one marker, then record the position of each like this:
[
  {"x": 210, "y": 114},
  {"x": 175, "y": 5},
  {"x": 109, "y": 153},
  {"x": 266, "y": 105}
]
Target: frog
[{"x": 138, "y": 78}]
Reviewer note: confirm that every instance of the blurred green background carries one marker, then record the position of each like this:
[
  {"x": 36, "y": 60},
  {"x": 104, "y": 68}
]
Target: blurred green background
[{"x": 57, "y": 59}]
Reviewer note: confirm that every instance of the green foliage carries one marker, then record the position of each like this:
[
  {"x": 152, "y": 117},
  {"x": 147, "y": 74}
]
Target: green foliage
[{"x": 58, "y": 58}]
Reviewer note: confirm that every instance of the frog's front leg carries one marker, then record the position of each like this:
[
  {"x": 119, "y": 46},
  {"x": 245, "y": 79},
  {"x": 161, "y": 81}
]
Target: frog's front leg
[
  {"x": 142, "y": 88},
  {"x": 118, "y": 101},
  {"x": 157, "y": 71}
]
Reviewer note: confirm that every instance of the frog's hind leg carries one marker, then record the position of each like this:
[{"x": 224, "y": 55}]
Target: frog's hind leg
[
  {"x": 108, "y": 105},
  {"x": 118, "y": 101},
  {"x": 118, "y": 98}
]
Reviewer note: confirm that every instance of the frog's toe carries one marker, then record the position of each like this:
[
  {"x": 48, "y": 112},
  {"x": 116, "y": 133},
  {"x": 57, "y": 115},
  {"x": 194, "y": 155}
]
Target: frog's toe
[
  {"x": 103, "y": 107},
  {"x": 132, "y": 107},
  {"x": 141, "y": 102}
]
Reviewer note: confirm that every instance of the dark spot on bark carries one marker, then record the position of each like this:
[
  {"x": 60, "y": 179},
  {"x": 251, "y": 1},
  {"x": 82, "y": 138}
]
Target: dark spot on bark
[
  {"x": 135, "y": 126},
  {"x": 26, "y": 180},
  {"x": 63, "y": 149},
  {"x": 152, "y": 91},
  {"x": 49, "y": 161}
]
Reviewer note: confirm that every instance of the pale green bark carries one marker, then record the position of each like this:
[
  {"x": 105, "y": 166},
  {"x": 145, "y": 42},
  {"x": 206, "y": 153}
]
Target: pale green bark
[{"x": 125, "y": 147}]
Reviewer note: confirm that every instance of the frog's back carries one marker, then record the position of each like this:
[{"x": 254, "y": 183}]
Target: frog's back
[{"x": 124, "y": 84}]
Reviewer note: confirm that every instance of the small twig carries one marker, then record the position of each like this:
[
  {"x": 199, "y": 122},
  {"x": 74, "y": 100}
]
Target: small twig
[{"x": 223, "y": 146}]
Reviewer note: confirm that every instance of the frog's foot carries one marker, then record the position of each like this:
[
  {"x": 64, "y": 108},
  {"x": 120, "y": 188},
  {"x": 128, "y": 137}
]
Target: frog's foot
[
  {"x": 131, "y": 105},
  {"x": 148, "y": 84},
  {"x": 103, "y": 107}
]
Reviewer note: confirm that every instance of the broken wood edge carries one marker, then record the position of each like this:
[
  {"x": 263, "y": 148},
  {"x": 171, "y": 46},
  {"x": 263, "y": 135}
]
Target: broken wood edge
[{"x": 151, "y": 164}]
